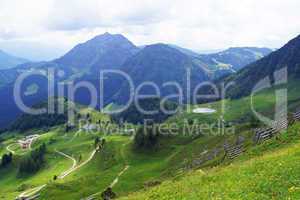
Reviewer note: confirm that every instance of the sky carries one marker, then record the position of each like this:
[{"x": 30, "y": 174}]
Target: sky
[{"x": 46, "y": 29}]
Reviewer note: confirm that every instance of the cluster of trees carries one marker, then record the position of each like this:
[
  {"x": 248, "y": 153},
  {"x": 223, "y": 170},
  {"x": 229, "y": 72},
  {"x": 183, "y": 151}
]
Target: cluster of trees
[
  {"x": 133, "y": 114},
  {"x": 99, "y": 143},
  {"x": 34, "y": 161},
  {"x": 108, "y": 194},
  {"x": 147, "y": 138},
  {"x": 46, "y": 120},
  {"x": 69, "y": 127},
  {"x": 27, "y": 122},
  {"x": 6, "y": 159},
  {"x": 87, "y": 117},
  {"x": 254, "y": 121}
]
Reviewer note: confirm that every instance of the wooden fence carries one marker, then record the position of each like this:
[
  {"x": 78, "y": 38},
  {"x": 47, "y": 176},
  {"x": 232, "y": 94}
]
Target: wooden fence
[{"x": 234, "y": 150}]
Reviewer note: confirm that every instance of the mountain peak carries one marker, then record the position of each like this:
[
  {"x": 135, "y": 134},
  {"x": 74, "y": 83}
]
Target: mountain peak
[
  {"x": 105, "y": 49},
  {"x": 107, "y": 33},
  {"x": 109, "y": 37}
]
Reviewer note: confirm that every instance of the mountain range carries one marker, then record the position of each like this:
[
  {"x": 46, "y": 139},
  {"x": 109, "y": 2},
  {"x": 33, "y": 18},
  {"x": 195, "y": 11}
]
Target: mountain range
[
  {"x": 9, "y": 61},
  {"x": 158, "y": 63},
  {"x": 235, "y": 58},
  {"x": 227, "y": 61}
]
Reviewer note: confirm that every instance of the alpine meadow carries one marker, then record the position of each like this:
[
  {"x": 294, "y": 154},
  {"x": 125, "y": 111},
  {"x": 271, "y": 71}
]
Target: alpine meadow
[{"x": 158, "y": 100}]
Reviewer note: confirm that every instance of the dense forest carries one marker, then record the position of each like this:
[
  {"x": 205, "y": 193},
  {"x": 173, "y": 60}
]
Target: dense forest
[
  {"x": 6, "y": 159},
  {"x": 34, "y": 161},
  {"x": 147, "y": 138},
  {"x": 138, "y": 116},
  {"x": 46, "y": 120}
]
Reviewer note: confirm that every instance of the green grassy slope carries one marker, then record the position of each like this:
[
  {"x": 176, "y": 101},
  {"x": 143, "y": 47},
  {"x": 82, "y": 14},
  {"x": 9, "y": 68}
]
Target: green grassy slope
[
  {"x": 239, "y": 110},
  {"x": 12, "y": 184},
  {"x": 173, "y": 159},
  {"x": 144, "y": 169},
  {"x": 267, "y": 171},
  {"x": 107, "y": 164}
]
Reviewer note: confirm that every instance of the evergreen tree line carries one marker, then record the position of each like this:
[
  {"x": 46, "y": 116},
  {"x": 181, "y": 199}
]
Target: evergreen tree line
[
  {"x": 99, "y": 143},
  {"x": 134, "y": 115},
  {"x": 147, "y": 138},
  {"x": 27, "y": 122},
  {"x": 6, "y": 159},
  {"x": 34, "y": 161}
]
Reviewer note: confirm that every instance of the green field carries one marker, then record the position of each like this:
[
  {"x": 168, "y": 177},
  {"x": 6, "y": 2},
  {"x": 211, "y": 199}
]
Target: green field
[{"x": 267, "y": 171}]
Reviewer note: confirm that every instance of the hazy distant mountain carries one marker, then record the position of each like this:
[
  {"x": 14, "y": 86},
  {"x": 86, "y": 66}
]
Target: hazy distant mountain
[
  {"x": 232, "y": 59},
  {"x": 235, "y": 58},
  {"x": 287, "y": 56},
  {"x": 7, "y": 76},
  {"x": 8, "y": 61},
  {"x": 227, "y": 61}
]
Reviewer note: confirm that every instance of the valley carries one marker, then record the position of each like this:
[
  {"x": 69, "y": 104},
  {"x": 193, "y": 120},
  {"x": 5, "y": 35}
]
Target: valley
[
  {"x": 198, "y": 126},
  {"x": 84, "y": 173}
]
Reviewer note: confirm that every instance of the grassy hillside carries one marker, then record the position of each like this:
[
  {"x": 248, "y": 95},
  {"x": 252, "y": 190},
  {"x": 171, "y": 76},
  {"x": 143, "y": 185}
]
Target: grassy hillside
[
  {"x": 144, "y": 168},
  {"x": 268, "y": 171},
  {"x": 237, "y": 111},
  {"x": 171, "y": 165},
  {"x": 78, "y": 145}
]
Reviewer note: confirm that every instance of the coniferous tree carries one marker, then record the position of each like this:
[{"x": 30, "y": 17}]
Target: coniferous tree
[
  {"x": 97, "y": 141},
  {"x": 34, "y": 161},
  {"x": 6, "y": 159},
  {"x": 147, "y": 138}
]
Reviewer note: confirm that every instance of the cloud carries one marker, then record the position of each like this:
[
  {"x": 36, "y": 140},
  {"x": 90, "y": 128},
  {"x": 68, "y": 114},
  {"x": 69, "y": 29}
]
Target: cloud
[
  {"x": 7, "y": 34},
  {"x": 94, "y": 13},
  {"x": 22, "y": 18},
  {"x": 196, "y": 24}
]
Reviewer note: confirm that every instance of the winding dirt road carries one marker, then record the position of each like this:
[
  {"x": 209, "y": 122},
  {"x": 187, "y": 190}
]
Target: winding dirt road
[
  {"x": 9, "y": 150},
  {"x": 120, "y": 174},
  {"x": 64, "y": 174},
  {"x": 115, "y": 181},
  {"x": 74, "y": 167},
  {"x": 31, "y": 192},
  {"x": 29, "y": 147},
  {"x": 34, "y": 191}
]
